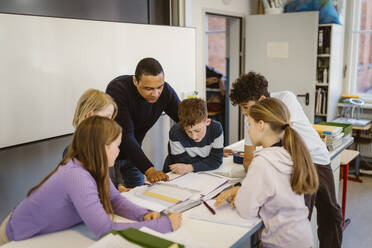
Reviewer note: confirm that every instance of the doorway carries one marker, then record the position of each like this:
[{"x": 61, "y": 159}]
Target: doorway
[{"x": 223, "y": 66}]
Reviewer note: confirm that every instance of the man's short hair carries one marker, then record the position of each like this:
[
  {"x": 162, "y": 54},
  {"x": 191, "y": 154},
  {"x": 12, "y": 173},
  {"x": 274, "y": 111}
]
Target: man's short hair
[
  {"x": 249, "y": 87},
  {"x": 192, "y": 111},
  {"x": 148, "y": 66}
]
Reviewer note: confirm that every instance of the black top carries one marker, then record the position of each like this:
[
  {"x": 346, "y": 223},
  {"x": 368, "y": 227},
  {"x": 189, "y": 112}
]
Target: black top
[
  {"x": 212, "y": 72},
  {"x": 279, "y": 143},
  {"x": 136, "y": 116}
]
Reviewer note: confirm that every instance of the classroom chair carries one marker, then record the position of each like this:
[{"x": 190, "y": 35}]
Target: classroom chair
[{"x": 346, "y": 157}]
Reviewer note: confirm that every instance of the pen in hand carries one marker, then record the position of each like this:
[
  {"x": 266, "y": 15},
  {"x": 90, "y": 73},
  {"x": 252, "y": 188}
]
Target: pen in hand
[{"x": 209, "y": 207}]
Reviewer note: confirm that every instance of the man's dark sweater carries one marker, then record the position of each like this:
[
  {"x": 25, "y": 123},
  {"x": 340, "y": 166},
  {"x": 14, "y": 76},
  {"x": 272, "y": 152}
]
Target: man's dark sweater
[{"x": 136, "y": 116}]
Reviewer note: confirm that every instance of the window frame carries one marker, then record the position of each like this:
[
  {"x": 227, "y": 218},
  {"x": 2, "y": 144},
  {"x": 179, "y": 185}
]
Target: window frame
[{"x": 353, "y": 32}]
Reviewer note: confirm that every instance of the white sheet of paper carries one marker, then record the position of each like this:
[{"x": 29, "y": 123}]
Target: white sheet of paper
[
  {"x": 224, "y": 215},
  {"x": 203, "y": 182},
  {"x": 217, "y": 191},
  {"x": 172, "y": 175},
  {"x": 277, "y": 50}
]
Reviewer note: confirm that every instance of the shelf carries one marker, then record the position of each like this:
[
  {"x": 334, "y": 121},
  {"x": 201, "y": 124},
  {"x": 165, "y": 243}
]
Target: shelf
[
  {"x": 322, "y": 115},
  {"x": 323, "y": 55}
]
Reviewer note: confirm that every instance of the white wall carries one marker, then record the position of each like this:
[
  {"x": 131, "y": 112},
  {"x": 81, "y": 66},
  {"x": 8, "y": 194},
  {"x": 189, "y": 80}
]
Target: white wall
[{"x": 195, "y": 10}]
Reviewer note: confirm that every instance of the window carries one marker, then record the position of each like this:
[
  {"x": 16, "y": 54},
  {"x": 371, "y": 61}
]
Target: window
[
  {"x": 361, "y": 49},
  {"x": 216, "y": 42}
]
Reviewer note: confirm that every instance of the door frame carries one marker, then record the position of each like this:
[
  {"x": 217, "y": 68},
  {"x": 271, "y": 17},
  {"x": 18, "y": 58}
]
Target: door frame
[{"x": 241, "y": 68}]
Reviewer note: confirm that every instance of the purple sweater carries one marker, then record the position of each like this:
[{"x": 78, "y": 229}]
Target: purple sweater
[{"x": 69, "y": 197}]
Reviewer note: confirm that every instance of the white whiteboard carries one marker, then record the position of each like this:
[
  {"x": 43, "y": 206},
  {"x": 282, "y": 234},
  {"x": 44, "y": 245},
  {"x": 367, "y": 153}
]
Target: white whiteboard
[{"x": 46, "y": 63}]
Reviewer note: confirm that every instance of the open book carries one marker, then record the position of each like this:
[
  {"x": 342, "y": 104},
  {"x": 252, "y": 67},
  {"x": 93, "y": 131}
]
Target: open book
[{"x": 179, "y": 194}]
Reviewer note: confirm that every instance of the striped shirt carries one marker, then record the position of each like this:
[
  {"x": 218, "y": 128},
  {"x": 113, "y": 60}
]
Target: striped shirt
[{"x": 204, "y": 155}]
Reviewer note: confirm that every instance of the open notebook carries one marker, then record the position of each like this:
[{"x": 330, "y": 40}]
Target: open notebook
[
  {"x": 202, "y": 181},
  {"x": 224, "y": 215},
  {"x": 178, "y": 194}
]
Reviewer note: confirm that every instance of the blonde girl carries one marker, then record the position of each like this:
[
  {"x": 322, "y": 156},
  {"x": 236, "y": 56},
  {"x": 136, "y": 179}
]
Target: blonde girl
[
  {"x": 96, "y": 102},
  {"x": 277, "y": 179}
]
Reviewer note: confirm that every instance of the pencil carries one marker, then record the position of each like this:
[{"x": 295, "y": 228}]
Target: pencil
[{"x": 209, "y": 207}]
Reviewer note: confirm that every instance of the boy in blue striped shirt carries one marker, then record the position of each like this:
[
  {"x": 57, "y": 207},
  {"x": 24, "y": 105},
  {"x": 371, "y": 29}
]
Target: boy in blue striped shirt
[{"x": 196, "y": 142}]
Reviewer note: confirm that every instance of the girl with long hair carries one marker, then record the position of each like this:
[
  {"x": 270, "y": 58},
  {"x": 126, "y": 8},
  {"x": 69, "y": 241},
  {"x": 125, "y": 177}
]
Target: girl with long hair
[
  {"x": 95, "y": 102},
  {"x": 277, "y": 179},
  {"x": 79, "y": 190}
]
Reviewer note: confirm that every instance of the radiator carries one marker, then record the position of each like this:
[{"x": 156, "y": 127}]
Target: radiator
[{"x": 366, "y": 150}]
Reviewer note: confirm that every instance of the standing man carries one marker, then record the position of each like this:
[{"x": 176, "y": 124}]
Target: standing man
[
  {"x": 141, "y": 99},
  {"x": 253, "y": 87}
]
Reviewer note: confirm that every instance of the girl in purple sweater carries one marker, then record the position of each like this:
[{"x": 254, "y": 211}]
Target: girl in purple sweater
[{"x": 79, "y": 190}]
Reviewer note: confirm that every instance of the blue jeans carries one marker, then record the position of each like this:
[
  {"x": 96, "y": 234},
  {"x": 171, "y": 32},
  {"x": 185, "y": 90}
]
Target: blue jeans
[{"x": 131, "y": 175}]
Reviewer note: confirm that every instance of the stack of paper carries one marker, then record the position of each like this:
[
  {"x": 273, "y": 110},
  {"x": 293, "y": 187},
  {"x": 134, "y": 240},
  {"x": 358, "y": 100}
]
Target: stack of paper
[
  {"x": 331, "y": 135},
  {"x": 327, "y": 130}
]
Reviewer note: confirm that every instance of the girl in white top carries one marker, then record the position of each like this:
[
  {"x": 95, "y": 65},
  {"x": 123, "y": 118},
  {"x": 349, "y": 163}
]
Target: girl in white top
[{"x": 277, "y": 179}]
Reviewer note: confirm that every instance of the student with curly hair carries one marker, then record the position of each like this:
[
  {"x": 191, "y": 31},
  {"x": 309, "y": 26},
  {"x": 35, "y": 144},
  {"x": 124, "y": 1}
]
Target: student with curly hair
[{"x": 253, "y": 87}]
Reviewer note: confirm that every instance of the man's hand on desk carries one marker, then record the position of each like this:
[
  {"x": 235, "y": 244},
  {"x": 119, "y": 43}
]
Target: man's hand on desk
[
  {"x": 152, "y": 216},
  {"x": 226, "y": 196},
  {"x": 181, "y": 168},
  {"x": 154, "y": 176},
  {"x": 175, "y": 220}
]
